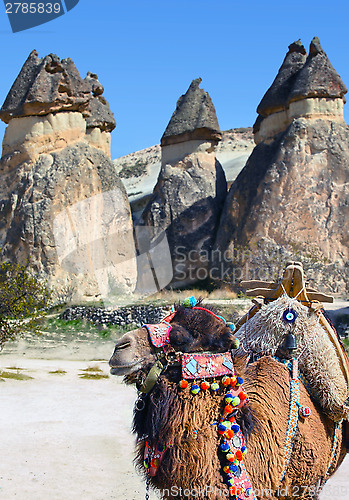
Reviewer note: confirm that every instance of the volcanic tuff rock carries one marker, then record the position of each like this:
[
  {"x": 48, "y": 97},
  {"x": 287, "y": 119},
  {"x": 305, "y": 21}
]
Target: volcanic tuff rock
[
  {"x": 303, "y": 87},
  {"x": 64, "y": 208},
  {"x": 292, "y": 197},
  {"x": 191, "y": 188},
  {"x": 139, "y": 171},
  {"x": 194, "y": 118},
  {"x": 45, "y": 86}
]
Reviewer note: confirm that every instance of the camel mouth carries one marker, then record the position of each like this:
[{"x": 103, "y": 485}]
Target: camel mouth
[{"x": 124, "y": 369}]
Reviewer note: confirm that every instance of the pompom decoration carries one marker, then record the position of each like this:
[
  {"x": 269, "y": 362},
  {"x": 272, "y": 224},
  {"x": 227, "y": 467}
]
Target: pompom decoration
[
  {"x": 228, "y": 398},
  {"x": 183, "y": 384},
  {"x": 226, "y": 469},
  {"x": 228, "y": 409},
  {"x": 230, "y": 457},
  {"x": 189, "y": 302},
  {"x": 239, "y": 381},
  {"x": 238, "y": 455},
  {"x": 235, "y": 401},
  {"x": 232, "y": 328},
  {"x": 230, "y": 481},
  {"x": 248, "y": 492},
  {"x": 235, "y": 428},
  {"x": 154, "y": 462},
  {"x": 243, "y": 396},
  {"x": 233, "y": 381},
  {"x": 226, "y": 380},
  {"x": 229, "y": 434},
  {"x": 224, "y": 447},
  {"x": 195, "y": 389},
  {"x": 232, "y": 491},
  {"x": 222, "y": 428},
  {"x": 244, "y": 450},
  {"x": 215, "y": 386},
  {"x": 235, "y": 344},
  {"x": 234, "y": 468},
  {"x": 204, "y": 385}
]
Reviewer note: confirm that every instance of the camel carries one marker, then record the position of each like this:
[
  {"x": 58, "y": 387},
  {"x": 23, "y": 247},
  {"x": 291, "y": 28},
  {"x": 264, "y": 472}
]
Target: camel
[{"x": 185, "y": 424}]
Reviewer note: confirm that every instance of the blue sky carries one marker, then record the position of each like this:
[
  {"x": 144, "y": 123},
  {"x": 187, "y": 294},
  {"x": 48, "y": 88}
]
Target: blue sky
[{"x": 147, "y": 52}]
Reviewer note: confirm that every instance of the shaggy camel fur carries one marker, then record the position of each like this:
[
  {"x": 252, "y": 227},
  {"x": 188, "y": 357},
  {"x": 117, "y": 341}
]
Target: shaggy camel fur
[
  {"x": 317, "y": 356},
  {"x": 183, "y": 421}
]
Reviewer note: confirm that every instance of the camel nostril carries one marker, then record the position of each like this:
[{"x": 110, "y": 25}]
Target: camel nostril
[{"x": 123, "y": 345}]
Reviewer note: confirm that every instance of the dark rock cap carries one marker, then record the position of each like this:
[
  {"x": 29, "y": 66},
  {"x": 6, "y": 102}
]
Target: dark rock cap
[
  {"x": 317, "y": 78},
  {"x": 45, "y": 86},
  {"x": 194, "y": 118},
  {"x": 98, "y": 113},
  {"x": 277, "y": 96}
]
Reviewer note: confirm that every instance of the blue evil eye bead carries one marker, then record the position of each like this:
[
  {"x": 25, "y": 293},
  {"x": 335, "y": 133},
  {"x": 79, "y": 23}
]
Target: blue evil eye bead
[
  {"x": 239, "y": 381},
  {"x": 289, "y": 316},
  {"x": 235, "y": 427},
  {"x": 189, "y": 302},
  {"x": 224, "y": 447},
  {"x": 195, "y": 389}
]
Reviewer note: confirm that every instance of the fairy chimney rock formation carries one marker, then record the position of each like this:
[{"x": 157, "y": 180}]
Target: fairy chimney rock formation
[
  {"x": 194, "y": 118},
  {"x": 191, "y": 187},
  {"x": 291, "y": 200},
  {"x": 63, "y": 207},
  {"x": 100, "y": 120},
  {"x": 305, "y": 86}
]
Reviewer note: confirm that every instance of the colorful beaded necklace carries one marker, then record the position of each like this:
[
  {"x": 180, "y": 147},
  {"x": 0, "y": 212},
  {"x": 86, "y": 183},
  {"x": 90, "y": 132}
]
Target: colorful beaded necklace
[{"x": 203, "y": 371}]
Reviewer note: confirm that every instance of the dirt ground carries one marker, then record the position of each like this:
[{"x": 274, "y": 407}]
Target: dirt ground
[{"x": 64, "y": 437}]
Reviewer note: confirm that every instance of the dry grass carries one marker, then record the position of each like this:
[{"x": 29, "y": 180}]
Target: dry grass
[
  {"x": 58, "y": 372},
  {"x": 14, "y": 376}
]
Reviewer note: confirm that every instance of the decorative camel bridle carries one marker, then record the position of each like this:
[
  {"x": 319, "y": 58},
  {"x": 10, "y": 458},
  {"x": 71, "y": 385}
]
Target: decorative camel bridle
[{"x": 202, "y": 371}]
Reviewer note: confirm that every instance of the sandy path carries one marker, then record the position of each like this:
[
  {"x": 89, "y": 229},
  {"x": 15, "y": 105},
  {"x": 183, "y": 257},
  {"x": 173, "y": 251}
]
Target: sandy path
[{"x": 66, "y": 438}]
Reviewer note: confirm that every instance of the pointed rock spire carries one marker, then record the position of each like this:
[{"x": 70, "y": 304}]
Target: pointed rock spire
[
  {"x": 45, "y": 86},
  {"x": 277, "y": 96},
  {"x": 194, "y": 118},
  {"x": 98, "y": 113},
  {"x": 317, "y": 78}
]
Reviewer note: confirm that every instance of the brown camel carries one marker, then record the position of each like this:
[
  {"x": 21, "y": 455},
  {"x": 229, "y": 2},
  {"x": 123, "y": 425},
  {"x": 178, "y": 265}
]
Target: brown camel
[{"x": 186, "y": 423}]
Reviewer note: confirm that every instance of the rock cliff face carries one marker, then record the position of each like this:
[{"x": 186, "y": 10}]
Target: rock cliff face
[
  {"x": 64, "y": 209},
  {"x": 292, "y": 197},
  {"x": 139, "y": 171},
  {"x": 191, "y": 188}
]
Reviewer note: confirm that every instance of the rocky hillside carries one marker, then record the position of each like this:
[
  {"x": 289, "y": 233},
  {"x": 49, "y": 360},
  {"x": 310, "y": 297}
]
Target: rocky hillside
[
  {"x": 140, "y": 170},
  {"x": 291, "y": 199},
  {"x": 64, "y": 210}
]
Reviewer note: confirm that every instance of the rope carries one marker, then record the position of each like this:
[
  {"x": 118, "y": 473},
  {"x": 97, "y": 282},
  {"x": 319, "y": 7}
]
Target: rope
[{"x": 336, "y": 434}]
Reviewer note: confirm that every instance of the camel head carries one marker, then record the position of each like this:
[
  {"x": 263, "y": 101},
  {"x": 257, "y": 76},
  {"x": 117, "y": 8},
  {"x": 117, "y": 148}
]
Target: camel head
[
  {"x": 193, "y": 330},
  {"x": 288, "y": 321}
]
